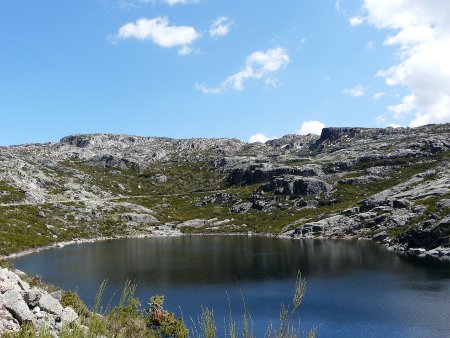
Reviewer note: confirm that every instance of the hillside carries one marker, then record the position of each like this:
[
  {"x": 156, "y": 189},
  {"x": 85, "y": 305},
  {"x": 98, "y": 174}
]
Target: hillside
[{"x": 388, "y": 185}]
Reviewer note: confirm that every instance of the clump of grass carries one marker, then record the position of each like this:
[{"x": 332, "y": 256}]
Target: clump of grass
[
  {"x": 10, "y": 194},
  {"x": 126, "y": 319},
  {"x": 71, "y": 299}
]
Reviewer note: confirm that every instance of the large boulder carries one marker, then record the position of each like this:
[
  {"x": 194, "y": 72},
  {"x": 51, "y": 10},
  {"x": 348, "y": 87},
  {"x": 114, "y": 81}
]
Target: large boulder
[
  {"x": 33, "y": 296},
  {"x": 69, "y": 315},
  {"x": 257, "y": 173},
  {"x": 139, "y": 218},
  {"x": 7, "y": 322},
  {"x": 50, "y": 305},
  {"x": 429, "y": 234},
  {"x": 14, "y": 302},
  {"x": 113, "y": 161},
  {"x": 295, "y": 185}
]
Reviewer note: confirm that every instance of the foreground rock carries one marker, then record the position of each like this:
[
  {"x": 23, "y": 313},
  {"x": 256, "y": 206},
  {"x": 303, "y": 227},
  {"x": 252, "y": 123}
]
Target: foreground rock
[{"x": 20, "y": 303}]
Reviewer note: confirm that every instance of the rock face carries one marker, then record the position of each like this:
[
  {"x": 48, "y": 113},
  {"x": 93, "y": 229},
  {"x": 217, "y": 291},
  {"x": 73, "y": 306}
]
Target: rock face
[
  {"x": 19, "y": 303},
  {"x": 294, "y": 185},
  {"x": 13, "y": 301},
  {"x": 334, "y": 134},
  {"x": 292, "y": 142},
  {"x": 429, "y": 235},
  {"x": 257, "y": 173}
]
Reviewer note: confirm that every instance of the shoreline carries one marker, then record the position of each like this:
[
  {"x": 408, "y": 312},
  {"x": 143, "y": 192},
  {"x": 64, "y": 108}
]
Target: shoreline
[{"x": 418, "y": 252}]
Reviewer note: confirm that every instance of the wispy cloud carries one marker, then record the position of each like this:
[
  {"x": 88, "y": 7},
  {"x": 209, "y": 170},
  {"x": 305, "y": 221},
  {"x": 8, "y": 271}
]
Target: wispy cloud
[
  {"x": 356, "y": 91},
  {"x": 260, "y": 65},
  {"x": 220, "y": 27},
  {"x": 378, "y": 95},
  {"x": 160, "y": 32},
  {"x": 356, "y": 21}
]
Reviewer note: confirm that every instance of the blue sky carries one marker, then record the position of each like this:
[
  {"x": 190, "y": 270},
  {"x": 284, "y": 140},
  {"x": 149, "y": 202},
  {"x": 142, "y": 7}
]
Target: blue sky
[{"x": 211, "y": 68}]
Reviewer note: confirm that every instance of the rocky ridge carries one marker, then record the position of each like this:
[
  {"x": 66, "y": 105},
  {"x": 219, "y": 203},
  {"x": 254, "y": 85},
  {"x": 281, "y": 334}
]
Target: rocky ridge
[{"x": 389, "y": 185}]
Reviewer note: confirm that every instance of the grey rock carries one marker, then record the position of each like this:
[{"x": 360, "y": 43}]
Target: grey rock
[
  {"x": 257, "y": 173},
  {"x": 159, "y": 178},
  {"x": 242, "y": 208},
  {"x": 417, "y": 251},
  {"x": 379, "y": 171},
  {"x": 33, "y": 296},
  {"x": 49, "y": 304},
  {"x": 293, "y": 142},
  {"x": 443, "y": 203},
  {"x": 13, "y": 301},
  {"x": 401, "y": 204},
  {"x": 334, "y": 134},
  {"x": 217, "y": 198},
  {"x": 139, "y": 218},
  {"x": 381, "y": 236},
  {"x": 294, "y": 185},
  {"x": 8, "y": 324},
  {"x": 69, "y": 315},
  {"x": 57, "y": 295}
]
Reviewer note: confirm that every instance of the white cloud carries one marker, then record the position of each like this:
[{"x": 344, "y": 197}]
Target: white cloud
[
  {"x": 393, "y": 125},
  {"x": 311, "y": 127},
  {"x": 378, "y": 95},
  {"x": 259, "y": 137},
  {"x": 206, "y": 90},
  {"x": 160, "y": 32},
  {"x": 260, "y": 65},
  {"x": 220, "y": 27},
  {"x": 356, "y": 20},
  {"x": 356, "y": 91},
  {"x": 421, "y": 31}
]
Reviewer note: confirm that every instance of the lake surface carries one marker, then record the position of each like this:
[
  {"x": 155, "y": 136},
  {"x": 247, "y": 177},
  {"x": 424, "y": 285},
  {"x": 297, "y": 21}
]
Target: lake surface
[{"x": 354, "y": 288}]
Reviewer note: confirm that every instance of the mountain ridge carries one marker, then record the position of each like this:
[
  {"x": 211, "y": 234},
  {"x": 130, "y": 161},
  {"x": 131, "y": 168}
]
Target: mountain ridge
[{"x": 389, "y": 185}]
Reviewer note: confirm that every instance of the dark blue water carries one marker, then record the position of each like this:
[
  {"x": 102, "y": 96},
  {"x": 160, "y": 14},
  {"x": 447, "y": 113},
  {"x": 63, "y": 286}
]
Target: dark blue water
[{"x": 354, "y": 288}]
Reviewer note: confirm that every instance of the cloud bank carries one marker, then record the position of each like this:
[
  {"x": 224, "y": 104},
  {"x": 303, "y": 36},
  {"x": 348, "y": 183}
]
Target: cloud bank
[{"x": 421, "y": 32}]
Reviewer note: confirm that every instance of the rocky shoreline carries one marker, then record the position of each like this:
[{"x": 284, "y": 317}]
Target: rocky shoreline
[{"x": 440, "y": 252}]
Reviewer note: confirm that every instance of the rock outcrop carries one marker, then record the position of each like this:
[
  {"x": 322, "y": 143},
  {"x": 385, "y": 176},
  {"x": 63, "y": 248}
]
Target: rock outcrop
[
  {"x": 20, "y": 303},
  {"x": 295, "y": 185}
]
